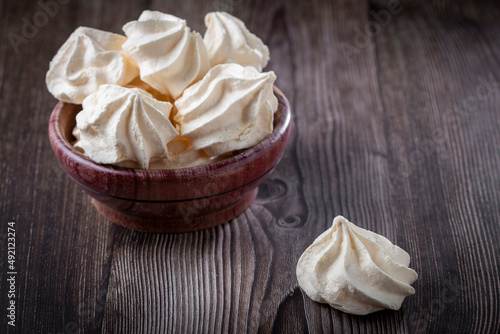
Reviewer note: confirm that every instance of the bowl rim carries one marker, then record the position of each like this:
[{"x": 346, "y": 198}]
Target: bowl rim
[{"x": 60, "y": 143}]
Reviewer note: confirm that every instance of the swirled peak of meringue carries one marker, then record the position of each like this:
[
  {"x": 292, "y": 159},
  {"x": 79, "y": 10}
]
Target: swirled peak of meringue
[
  {"x": 355, "y": 270},
  {"x": 89, "y": 58},
  {"x": 169, "y": 55},
  {"x": 124, "y": 126},
  {"x": 231, "y": 108},
  {"x": 229, "y": 41}
]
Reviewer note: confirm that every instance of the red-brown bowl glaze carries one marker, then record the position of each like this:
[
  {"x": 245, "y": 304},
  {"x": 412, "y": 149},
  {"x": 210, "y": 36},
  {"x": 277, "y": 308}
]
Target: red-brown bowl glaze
[{"x": 171, "y": 200}]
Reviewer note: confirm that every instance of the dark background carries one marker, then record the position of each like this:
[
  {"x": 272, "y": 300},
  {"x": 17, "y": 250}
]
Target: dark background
[{"x": 398, "y": 131}]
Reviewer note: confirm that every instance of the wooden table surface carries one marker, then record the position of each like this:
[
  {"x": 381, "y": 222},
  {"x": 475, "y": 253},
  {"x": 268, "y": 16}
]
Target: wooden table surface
[{"x": 396, "y": 111}]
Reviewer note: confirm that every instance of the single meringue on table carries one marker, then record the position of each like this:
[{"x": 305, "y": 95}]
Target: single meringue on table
[
  {"x": 89, "y": 58},
  {"x": 231, "y": 108},
  {"x": 169, "y": 55},
  {"x": 229, "y": 41},
  {"x": 123, "y": 126},
  {"x": 355, "y": 271}
]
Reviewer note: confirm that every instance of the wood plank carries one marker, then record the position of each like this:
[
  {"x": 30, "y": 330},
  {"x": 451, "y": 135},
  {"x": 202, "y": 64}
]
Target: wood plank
[{"x": 381, "y": 135}]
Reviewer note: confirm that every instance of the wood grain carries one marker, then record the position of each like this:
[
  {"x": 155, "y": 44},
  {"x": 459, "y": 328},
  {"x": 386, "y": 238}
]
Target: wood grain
[{"x": 398, "y": 133}]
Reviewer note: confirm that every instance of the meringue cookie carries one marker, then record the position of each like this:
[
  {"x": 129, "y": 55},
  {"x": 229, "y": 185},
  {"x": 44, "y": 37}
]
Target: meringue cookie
[
  {"x": 189, "y": 158},
  {"x": 138, "y": 83},
  {"x": 231, "y": 108},
  {"x": 180, "y": 155},
  {"x": 169, "y": 55},
  {"x": 229, "y": 41},
  {"x": 89, "y": 58},
  {"x": 124, "y": 126},
  {"x": 355, "y": 270}
]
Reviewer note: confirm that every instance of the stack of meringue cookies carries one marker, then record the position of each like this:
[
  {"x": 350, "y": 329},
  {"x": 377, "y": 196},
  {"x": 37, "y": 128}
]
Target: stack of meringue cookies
[{"x": 163, "y": 97}]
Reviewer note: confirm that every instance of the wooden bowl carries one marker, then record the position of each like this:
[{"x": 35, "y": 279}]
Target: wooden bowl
[{"x": 172, "y": 200}]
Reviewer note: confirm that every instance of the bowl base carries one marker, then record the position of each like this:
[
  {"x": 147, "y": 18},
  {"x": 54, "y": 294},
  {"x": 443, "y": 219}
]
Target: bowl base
[{"x": 176, "y": 225}]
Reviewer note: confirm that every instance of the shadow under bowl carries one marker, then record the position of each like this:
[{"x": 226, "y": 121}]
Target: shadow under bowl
[{"x": 171, "y": 200}]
